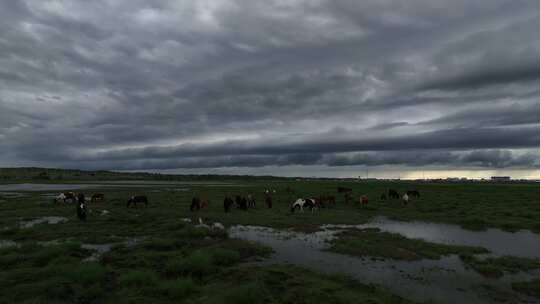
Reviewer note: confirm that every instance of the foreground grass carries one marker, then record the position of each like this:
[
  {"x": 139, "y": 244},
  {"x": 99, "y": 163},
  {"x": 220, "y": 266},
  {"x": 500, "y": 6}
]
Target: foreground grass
[
  {"x": 371, "y": 242},
  {"x": 190, "y": 265},
  {"x": 289, "y": 284}
]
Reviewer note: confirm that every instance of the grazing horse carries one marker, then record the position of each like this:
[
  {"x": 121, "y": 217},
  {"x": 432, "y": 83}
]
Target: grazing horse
[
  {"x": 413, "y": 193},
  {"x": 241, "y": 202},
  {"x": 251, "y": 201},
  {"x": 60, "y": 198},
  {"x": 66, "y": 197},
  {"x": 81, "y": 198},
  {"x": 134, "y": 200},
  {"x": 227, "y": 203},
  {"x": 204, "y": 203},
  {"x": 393, "y": 194},
  {"x": 290, "y": 190},
  {"x": 81, "y": 210},
  {"x": 268, "y": 201},
  {"x": 197, "y": 204},
  {"x": 363, "y": 200},
  {"x": 326, "y": 200},
  {"x": 348, "y": 197},
  {"x": 97, "y": 197},
  {"x": 405, "y": 199},
  {"x": 343, "y": 190},
  {"x": 301, "y": 203}
]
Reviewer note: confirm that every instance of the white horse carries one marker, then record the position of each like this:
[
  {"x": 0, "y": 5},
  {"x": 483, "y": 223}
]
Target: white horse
[
  {"x": 301, "y": 203},
  {"x": 60, "y": 198},
  {"x": 405, "y": 199}
]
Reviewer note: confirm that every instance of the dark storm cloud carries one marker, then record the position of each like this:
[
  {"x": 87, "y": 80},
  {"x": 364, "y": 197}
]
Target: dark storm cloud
[
  {"x": 211, "y": 83},
  {"x": 493, "y": 76}
]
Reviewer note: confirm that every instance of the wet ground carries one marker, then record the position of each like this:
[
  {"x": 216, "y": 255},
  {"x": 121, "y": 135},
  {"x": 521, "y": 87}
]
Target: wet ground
[
  {"x": 42, "y": 220},
  {"x": 442, "y": 281},
  {"x": 522, "y": 243}
]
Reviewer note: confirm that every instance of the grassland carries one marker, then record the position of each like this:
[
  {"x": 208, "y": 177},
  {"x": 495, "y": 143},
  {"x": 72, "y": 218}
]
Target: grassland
[
  {"x": 371, "y": 242},
  {"x": 173, "y": 260}
]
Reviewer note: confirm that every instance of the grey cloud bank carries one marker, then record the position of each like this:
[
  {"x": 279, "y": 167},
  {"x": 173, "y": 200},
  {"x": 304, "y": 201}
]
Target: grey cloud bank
[{"x": 293, "y": 85}]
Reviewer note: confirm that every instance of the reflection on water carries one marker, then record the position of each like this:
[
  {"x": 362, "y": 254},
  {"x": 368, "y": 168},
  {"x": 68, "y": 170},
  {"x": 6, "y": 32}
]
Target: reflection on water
[
  {"x": 522, "y": 243},
  {"x": 101, "y": 249},
  {"x": 443, "y": 281},
  {"x": 42, "y": 220}
]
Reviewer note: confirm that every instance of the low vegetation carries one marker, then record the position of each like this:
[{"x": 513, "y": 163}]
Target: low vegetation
[
  {"x": 158, "y": 255},
  {"x": 371, "y": 242}
]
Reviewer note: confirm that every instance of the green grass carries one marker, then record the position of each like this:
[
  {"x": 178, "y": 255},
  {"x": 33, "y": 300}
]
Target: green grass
[
  {"x": 289, "y": 284},
  {"x": 205, "y": 266},
  {"x": 371, "y": 242}
]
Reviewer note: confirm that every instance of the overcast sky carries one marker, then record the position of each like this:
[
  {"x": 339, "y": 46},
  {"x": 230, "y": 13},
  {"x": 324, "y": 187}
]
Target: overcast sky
[{"x": 283, "y": 87}]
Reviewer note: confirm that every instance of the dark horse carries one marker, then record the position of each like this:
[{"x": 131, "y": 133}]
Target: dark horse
[
  {"x": 343, "y": 190},
  {"x": 393, "y": 194},
  {"x": 251, "y": 201},
  {"x": 195, "y": 204},
  {"x": 134, "y": 200},
  {"x": 268, "y": 201},
  {"x": 227, "y": 203},
  {"x": 81, "y": 211},
  {"x": 413, "y": 193}
]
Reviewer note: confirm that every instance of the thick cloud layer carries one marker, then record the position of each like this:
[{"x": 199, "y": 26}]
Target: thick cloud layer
[{"x": 246, "y": 83}]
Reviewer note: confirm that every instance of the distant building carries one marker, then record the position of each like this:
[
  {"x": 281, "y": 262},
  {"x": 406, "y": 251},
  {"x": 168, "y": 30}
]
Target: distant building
[{"x": 500, "y": 178}]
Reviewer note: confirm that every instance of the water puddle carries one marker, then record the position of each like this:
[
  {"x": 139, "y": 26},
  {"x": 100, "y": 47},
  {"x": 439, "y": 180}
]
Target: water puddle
[
  {"x": 7, "y": 244},
  {"x": 522, "y": 243},
  {"x": 101, "y": 249},
  {"x": 442, "y": 281},
  {"x": 43, "y": 220},
  {"x": 11, "y": 195}
]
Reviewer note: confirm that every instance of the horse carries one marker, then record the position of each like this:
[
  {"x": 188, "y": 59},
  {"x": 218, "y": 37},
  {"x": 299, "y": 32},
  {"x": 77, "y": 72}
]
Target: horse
[
  {"x": 383, "y": 197},
  {"x": 393, "y": 194},
  {"x": 268, "y": 201},
  {"x": 97, "y": 197},
  {"x": 227, "y": 203},
  {"x": 60, "y": 198},
  {"x": 290, "y": 190},
  {"x": 405, "y": 199},
  {"x": 198, "y": 204},
  {"x": 241, "y": 202},
  {"x": 81, "y": 211},
  {"x": 65, "y": 197},
  {"x": 363, "y": 200},
  {"x": 348, "y": 197},
  {"x": 343, "y": 190},
  {"x": 301, "y": 203},
  {"x": 134, "y": 200},
  {"x": 251, "y": 201},
  {"x": 413, "y": 193}
]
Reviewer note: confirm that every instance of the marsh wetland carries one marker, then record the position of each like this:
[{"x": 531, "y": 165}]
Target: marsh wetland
[{"x": 457, "y": 243}]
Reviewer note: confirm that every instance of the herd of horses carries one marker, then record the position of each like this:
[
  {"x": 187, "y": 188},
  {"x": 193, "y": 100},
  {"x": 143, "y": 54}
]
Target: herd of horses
[
  {"x": 242, "y": 202},
  {"x": 312, "y": 203}
]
